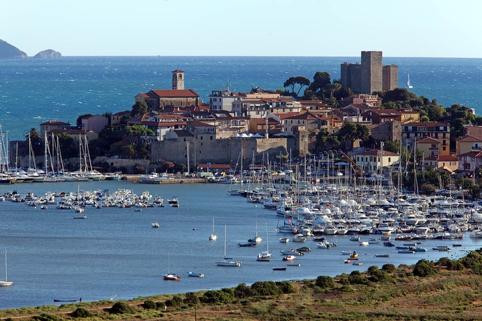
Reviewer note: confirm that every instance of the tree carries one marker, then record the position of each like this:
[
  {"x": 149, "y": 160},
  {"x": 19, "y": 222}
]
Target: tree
[
  {"x": 140, "y": 108},
  {"x": 298, "y": 80},
  {"x": 139, "y": 130},
  {"x": 320, "y": 80}
]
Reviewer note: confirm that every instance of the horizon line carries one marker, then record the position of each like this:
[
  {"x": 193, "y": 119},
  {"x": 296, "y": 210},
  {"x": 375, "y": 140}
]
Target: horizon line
[{"x": 237, "y": 56}]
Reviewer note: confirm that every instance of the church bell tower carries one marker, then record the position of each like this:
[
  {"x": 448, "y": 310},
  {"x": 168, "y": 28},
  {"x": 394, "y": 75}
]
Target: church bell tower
[{"x": 177, "y": 79}]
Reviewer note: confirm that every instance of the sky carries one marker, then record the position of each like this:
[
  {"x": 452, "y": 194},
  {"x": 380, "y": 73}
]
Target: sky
[{"x": 401, "y": 28}]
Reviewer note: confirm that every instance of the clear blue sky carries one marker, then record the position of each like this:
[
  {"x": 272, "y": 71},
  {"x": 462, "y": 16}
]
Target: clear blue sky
[{"x": 425, "y": 28}]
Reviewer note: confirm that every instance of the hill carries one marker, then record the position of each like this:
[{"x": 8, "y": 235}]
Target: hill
[
  {"x": 7, "y": 51},
  {"x": 48, "y": 54}
]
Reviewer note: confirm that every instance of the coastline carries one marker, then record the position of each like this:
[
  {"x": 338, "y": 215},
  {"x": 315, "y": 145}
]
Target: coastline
[{"x": 442, "y": 290}]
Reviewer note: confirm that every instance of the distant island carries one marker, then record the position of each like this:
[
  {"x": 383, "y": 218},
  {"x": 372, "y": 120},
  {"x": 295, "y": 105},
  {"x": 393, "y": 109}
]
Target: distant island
[
  {"x": 48, "y": 54},
  {"x": 8, "y": 51}
]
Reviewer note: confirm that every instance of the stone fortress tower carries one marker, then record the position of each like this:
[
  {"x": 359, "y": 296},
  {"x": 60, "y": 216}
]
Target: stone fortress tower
[{"x": 177, "y": 79}]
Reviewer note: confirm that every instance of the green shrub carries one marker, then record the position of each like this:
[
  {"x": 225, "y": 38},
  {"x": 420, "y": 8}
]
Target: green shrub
[
  {"x": 324, "y": 282},
  {"x": 424, "y": 268},
  {"x": 46, "y": 317},
  {"x": 473, "y": 261},
  {"x": 343, "y": 279},
  {"x": 149, "y": 305},
  {"x": 80, "y": 313},
  {"x": 121, "y": 308},
  {"x": 455, "y": 265},
  {"x": 265, "y": 288},
  {"x": 191, "y": 298},
  {"x": 175, "y": 301},
  {"x": 389, "y": 268},
  {"x": 285, "y": 287},
  {"x": 375, "y": 274},
  {"x": 356, "y": 277},
  {"x": 444, "y": 261},
  {"x": 219, "y": 296},
  {"x": 242, "y": 291},
  {"x": 160, "y": 305}
]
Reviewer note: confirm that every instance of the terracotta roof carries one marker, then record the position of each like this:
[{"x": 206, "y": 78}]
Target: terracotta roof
[
  {"x": 304, "y": 116},
  {"x": 173, "y": 93},
  {"x": 472, "y": 154},
  {"x": 447, "y": 158},
  {"x": 428, "y": 140},
  {"x": 262, "y": 121},
  {"x": 282, "y": 116},
  {"x": 468, "y": 139},
  {"x": 197, "y": 123},
  {"x": 427, "y": 124}
]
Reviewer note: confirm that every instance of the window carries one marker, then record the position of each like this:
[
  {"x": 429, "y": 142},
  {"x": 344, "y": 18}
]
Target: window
[{"x": 211, "y": 137}]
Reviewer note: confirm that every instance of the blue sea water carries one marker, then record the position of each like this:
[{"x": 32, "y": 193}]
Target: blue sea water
[
  {"x": 32, "y": 91},
  {"x": 116, "y": 253}
]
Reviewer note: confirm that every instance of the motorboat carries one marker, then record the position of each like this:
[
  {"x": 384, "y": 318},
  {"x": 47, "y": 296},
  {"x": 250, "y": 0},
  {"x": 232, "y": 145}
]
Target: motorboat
[
  {"x": 247, "y": 244},
  {"x": 284, "y": 240},
  {"x": 279, "y": 269},
  {"x": 171, "y": 277},
  {"x": 289, "y": 258},
  {"x": 195, "y": 275},
  {"x": 173, "y": 202},
  {"x": 264, "y": 256}
]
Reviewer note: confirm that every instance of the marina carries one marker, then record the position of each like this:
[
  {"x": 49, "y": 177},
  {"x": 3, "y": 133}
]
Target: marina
[{"x": 52, "y": 256}]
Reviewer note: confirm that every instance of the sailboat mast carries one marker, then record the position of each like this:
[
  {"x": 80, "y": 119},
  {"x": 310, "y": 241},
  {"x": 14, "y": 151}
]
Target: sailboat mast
[
  {"x": 45, "y": 154},
  {"x": 225, "y": 242},
  {"x": 6, "y": 266}
]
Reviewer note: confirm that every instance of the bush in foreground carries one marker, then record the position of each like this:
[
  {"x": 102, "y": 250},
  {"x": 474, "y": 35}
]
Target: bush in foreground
[
  {"x": 217, "y": 296},
  {"x": 121, "y": 308},
  {"x": 149, "y": 305},
  {"x": 389, "y": 268},
  {"x": 46, "y": 317},
  {"x": 80, "y": 313},
  {"x": 265, "y": 288},
  {"x": 424, "y": 268},
  {"x": 242, "y": 291},
  {"x": 324, "y": 282}
]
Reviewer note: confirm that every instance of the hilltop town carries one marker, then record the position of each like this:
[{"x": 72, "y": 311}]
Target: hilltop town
[{"x": 365, "y": 117}]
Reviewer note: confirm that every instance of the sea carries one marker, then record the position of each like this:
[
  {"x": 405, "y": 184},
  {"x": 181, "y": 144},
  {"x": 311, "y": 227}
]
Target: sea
[
  {"x": 116, "y": 254},
  {"x": 35, "y": 90}
]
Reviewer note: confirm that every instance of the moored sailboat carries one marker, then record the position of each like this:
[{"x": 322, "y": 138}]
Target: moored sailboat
[{"x": 6, "y": 283}]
